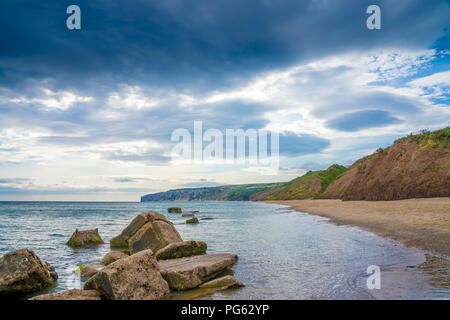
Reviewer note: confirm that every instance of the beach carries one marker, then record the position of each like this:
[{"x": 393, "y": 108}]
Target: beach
[{"x": 422, "y": 223}]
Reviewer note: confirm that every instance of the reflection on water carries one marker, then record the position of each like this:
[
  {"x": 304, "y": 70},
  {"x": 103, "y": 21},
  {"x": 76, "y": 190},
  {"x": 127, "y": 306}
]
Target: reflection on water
[{"x": 283, "y": 254}]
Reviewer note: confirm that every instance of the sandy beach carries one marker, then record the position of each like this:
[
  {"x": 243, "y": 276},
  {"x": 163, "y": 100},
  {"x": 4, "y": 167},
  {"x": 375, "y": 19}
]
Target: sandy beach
[{"x": 423, "y": 223}]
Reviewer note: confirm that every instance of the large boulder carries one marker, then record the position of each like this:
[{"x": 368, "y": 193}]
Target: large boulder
[
  {"x": 174, "y": 209},
  {"x": 150, "y": 230},
  {"x": 85, "y": 238},
  {"x": 22, "y": 272},
  {"x": 74, "y": 294},
  {"x": 181, "y": 250},
  {"x": 136, "y": 277},
  {"x": 190, "y": 272},
  {"x": 112, "y": 256}
]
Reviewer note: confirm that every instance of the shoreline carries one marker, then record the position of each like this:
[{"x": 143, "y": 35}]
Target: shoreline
[{"x": 423, "y": 223}]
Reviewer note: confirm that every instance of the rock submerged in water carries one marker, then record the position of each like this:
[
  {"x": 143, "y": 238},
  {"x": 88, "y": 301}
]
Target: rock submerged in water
[
  {"x": 206, "y": 218},
  {"x": 74, "y": 294},
  {"x": 136, "y": 277},
  {"x": 181, "y": 250},
  {"x": 222, "y": 283},
  {"x": 190, "y": 272},
  {"x": 184, "y": 215},
  {"x": 85, "y": 238},
  {"x": 88, "y": 270},
  {"x": 174, "y": 210},
  {"x": 22, "y": 272},
  {"x": 150, "y": 230},
  {"x": 112, "y": 256},
  {"x": 192, "y": 220}
]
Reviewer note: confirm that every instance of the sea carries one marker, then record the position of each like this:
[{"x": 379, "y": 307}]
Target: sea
[{"x": 283, "y": 254}]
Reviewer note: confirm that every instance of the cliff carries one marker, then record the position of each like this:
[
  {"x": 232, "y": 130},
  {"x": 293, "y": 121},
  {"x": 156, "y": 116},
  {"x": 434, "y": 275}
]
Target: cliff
[
  {"x": 417, "y": 166},
  {"x": 225, "y": 193}
]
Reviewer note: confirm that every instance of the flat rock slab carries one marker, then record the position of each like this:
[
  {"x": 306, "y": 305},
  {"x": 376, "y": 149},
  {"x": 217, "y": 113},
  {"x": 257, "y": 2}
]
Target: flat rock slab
[
  {"x": 190, "y": 272},
  {"x": 74, "y": 294},
  {"x": 181, "y": 250}
]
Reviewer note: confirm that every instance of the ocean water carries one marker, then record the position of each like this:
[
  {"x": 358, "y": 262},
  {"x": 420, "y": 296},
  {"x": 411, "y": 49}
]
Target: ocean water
[{"x": 283, "y": 254}]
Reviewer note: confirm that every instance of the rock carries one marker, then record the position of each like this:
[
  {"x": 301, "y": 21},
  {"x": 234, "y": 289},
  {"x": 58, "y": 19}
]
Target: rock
[
  {"x": 88, "y": 270},
  {"x": 121, "y": 241},
  {"x": 136, "y": 277},
  {"x": 22, "y": 272},
  {"x": 190, "y": 272},
  {"x": 150, "y": 230},
  {"x": 206, "y": 218},
  {"x": 85, "y": 238},
  {"x": 181, "y": 249},
  {"x": 112, "y": 256},
  {"x": 192, "y": 220},
  {"x": 174, "y": 209},
  {"x": 74, "y": 294},
  {"x": 188, "y": 215},
  {"x": 221, "y": 283}
]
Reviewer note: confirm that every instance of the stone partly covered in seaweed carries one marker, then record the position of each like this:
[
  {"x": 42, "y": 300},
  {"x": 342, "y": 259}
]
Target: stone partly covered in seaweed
[
  {"x": 136, "y": 277},
  {"x": 192, "y": 220},
  {"x": 222, "y": 283},
  {"x": 174, "y": 210},
  {"x": 190, "y": 272},
  {"x": 74, "y": 294},
  {"x": 22, "y": 272},
  {"x": 85, "y": 238},
  {"x": 150, "y": 230},
  {"x": 181, "y": 250},
  {"x": 112, "y": 256}
]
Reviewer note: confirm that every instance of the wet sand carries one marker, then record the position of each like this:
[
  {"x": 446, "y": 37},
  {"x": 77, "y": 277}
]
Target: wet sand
[{"x": 422, "y": 223}]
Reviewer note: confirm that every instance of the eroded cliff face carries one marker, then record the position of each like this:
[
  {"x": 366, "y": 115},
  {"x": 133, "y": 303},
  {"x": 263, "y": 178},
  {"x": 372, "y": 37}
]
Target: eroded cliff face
[{"x": 410, "y": 168}]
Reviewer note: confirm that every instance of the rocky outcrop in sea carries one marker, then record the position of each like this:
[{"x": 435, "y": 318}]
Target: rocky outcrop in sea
[{"x": 149, "y": 261}]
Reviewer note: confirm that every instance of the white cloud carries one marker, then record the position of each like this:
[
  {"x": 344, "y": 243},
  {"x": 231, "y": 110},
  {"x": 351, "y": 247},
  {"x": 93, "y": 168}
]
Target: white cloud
[{"x": 61, "y": 100}]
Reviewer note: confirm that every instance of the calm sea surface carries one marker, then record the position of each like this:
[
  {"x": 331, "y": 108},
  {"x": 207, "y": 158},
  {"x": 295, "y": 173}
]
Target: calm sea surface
[{"x": 283, "y": 254}]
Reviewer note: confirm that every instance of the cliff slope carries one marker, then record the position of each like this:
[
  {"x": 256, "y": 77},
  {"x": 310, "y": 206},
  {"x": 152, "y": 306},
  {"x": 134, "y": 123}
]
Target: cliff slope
[
  {"x": 417, "y": 166},
  {"x": 307, "y": 186}
]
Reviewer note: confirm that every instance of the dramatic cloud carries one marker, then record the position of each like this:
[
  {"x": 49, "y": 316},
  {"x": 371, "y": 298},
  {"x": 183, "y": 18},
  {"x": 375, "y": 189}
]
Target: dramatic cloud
[
  {"x": 92, "y": 111},
  {"x": 361, "y": 120}
]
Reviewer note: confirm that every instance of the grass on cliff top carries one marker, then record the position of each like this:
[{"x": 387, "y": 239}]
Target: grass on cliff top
[{"x": 433, "y": 139}]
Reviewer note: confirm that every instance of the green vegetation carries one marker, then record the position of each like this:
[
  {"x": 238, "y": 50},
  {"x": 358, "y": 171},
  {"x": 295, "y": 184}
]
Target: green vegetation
[
  {"x": 331, "y": 174},
  {"x": 430, "y": 139},
  {"x": 244, "y": 192},
  {"x": 309, "y": 185}
]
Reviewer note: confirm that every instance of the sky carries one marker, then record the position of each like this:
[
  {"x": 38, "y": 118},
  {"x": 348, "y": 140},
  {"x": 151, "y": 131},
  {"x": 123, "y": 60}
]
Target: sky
[{"x": 87, "y": 115}]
